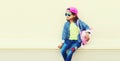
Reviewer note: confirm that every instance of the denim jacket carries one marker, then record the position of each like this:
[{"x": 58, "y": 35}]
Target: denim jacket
[{"x": 66, "y": 29}]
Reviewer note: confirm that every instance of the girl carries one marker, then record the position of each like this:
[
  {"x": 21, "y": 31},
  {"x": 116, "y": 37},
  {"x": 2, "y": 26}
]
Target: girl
[{"x": 71, "y": 33}]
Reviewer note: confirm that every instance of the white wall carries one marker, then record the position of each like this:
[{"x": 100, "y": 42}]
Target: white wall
[{"x": 38, "y": 23}]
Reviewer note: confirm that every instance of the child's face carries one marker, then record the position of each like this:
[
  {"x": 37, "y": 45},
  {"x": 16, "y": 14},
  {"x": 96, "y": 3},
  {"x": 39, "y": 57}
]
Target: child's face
[{"x": 69, "y": 15}]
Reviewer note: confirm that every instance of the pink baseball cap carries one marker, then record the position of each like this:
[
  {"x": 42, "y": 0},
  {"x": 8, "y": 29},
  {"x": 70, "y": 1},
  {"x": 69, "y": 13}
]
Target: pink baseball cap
[{"x": 73, "y": 10}]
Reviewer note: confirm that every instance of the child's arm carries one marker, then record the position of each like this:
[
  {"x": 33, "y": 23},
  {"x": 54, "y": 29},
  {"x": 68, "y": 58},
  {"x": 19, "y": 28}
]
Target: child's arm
[
  {"x": 85, "y": 27},
  {"x": 85, "y": 32},
  {"x": 64, "y": 32},
  {"x": 64, "y": 35}
]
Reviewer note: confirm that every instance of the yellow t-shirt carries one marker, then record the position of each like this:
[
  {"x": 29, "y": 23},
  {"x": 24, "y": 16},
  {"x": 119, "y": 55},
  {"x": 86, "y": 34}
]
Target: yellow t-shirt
[{"x": 74, "y": 31}]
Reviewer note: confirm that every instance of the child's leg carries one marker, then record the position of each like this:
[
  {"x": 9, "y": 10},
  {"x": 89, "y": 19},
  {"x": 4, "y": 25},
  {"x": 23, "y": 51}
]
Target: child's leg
[
  {"x": 73, "y": 48},
  {"x": 64, "y": 49}
]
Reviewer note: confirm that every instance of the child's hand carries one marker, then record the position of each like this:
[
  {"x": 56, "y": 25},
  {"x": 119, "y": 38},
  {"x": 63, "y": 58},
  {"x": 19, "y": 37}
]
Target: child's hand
[
  {"x": 60, "y": 46},
  {"x": 87, "y": 36}
]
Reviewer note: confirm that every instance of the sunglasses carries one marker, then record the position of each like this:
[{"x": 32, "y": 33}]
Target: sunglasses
[{"x": 67, "y": 14}]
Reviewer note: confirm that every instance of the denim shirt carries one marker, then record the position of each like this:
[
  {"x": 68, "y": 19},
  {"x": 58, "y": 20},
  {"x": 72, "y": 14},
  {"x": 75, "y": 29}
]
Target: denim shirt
[{"x": 66, "y": 29}]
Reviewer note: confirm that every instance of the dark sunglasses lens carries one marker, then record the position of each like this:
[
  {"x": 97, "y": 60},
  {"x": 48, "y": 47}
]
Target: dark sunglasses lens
[
  {"x": 65, "y": 14},
  {"x": 68, "y": 14}
]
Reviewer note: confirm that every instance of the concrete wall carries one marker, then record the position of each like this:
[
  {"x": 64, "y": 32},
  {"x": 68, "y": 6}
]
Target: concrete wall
[{"x": 54, "y": 55}]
